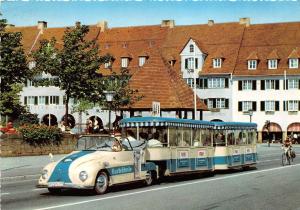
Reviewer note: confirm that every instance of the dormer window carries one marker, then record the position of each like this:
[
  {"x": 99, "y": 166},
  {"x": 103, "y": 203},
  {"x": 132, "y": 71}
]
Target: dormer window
[
  {"x": 124, "y": 62},
  {"x": 293, "y": 63},
  {"x": 107, "y": 64},
  {"x": 272, "y": 64},
  {"x": 191, "y": 48},
  {"x": 217, "y": 63},
  {"x": 142, "y": 60},
  {"x": 252, "y": 64},
  {"x": 189, "y": 63}
]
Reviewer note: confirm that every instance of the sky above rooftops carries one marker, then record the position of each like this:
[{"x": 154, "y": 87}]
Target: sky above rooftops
[{"x": 134, "y": 13}]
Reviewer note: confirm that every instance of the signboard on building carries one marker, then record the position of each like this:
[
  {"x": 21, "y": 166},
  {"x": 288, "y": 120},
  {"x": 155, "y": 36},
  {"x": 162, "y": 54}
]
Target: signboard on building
[{"x": 155, "y": 109}]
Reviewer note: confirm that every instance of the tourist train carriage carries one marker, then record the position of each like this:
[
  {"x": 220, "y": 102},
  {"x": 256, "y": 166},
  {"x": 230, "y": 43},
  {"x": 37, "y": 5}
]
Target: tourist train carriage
[
  {"x": 150, "y": 148},
  {"x": 235, "y": 144},
  {"x": 180, "y": 145}
]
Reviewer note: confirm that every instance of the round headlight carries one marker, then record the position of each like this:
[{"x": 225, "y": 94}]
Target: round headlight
[
  {"x": 83, "y": 176},
  {"x": 44, "y": 174}
]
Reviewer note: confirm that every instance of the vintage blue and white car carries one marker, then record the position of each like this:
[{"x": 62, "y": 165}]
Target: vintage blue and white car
[{"x": 99, "y": 161}]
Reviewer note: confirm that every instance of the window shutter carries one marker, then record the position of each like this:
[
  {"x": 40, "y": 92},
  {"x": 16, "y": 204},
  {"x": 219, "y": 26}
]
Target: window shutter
[
  {"x": 57, "y": 100},
  {"x": 262, "y": 84},
  {"x": 240, "y": 106},
  {"x": 240, "y": 85},
  {"x": 276, "y": 84},
  {"x": 286, "y": 84},
  {"x": 186, "y": 63},
  {"x": 205, "y": 83},
  {"x": 25, "y": 100},
  {"x": 226, "y": 82},
  {"x": 47, "y": 100},
  {"x": 299, "y": 84},
  {"x": 254, "y": 106},
  {"x": 284, "y": 106},
  {"x": 196, "y": 63},
  {"x": 227, "y": 103},
  {"x": 253, "y": 84},
  {"x": 276, "y": 105},
  {"x": 262, "y": 106},
  {"x": 35, "y": 100},
  {"x": 298, "y": 105},
  {"x": 205, "y": 101},
  {"x": 214, "y": 103},
  {"x": 200, "y": 83}
]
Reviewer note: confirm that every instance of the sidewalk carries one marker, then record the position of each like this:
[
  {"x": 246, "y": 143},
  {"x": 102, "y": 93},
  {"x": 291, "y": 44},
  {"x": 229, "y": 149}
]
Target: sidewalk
[{"x": 24, "y": 167}]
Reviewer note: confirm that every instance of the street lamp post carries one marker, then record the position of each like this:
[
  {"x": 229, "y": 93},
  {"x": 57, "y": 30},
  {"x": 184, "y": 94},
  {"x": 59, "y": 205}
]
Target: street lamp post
[
  {"x": 195, "y": 88},
  {"x": 250, "y": 113},
  {"x": 109, "y": 98}
]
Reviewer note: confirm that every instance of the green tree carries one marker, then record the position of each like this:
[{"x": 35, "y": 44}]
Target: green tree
[
  {"x": 75, "y": 63},
  {"x": 13, "y": 71}
]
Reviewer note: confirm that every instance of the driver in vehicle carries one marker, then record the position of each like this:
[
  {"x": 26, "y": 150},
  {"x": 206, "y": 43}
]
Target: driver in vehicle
[{"x": 116, "y": 146}]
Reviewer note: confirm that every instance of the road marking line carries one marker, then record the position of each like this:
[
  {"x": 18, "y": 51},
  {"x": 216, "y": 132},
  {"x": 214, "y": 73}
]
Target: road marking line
[
  {"x": 16, "y": 177},
  {"x": 168, "y": 187},
  {"x": 5, "y": 193},
  {"x": 38, "y": 189},
  {"x": 11, "y": 181}
]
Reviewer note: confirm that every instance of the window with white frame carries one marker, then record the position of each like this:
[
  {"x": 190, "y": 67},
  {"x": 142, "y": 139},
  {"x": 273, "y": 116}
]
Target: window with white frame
[
  {"x": 247, "y": 84},
  {"x": 192, "y": 48},
  {"x": 247, "y": 105},
  {"x": 107, "y": 64},
  {"x": 30, "y": 100},
  {"x": 293, "y": 105},
  {"x": 272, "y": 64},
  {"x": 270, "y": 106},
  {"x": 190, "y": 82},
  {"x": 216, "y": 83},
  {"x": 217, "y": 62},
  {"x": 219, "y": 103},
  {"x": 142, "y": 60},
  {"x": 54, "y": 100},
  {"x": 124, "y": 62},
  {"x": 210, "y": 104},
  {"x": 252, "y": 64},
  {"x": 293, "y": 63},
  {"x": 293, "y": 84},
  {"x": 270, "y": 84},
  {"x": 42, "y": 100}
]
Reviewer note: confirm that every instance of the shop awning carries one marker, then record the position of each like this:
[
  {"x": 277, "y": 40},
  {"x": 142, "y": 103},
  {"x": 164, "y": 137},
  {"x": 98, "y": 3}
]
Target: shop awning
[
  {"x": 294, "y": 127},
  {"x": 274, "y": 127}
]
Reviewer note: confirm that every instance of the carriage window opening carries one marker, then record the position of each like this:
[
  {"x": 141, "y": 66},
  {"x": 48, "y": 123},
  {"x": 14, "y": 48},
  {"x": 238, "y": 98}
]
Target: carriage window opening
[
  {"x": 173, "y": 136},
  {"x": 206, "y": 137},
  {"x": 219, "y": 138},
  {"x": 186, "y": 137},
  {"x": 230, "y": 137},
  {"x": 196, "y": 137}
]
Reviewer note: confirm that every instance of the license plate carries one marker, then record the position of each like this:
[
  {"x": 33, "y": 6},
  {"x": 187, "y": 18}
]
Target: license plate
[{"x": 55, "y": 184}]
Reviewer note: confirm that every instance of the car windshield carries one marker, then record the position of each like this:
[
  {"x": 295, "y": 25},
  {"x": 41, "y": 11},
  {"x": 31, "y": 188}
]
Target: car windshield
[
  {"x": 95, "y": 143},
  {"x": 105, "y": 143}
]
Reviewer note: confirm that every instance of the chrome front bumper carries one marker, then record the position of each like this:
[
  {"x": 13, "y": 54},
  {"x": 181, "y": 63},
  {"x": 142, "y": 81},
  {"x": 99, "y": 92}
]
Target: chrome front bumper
[{"x": 65, "y": 186}]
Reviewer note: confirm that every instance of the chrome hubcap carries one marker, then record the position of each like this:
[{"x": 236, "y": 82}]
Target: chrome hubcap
[{"x": 101, "y": 181}]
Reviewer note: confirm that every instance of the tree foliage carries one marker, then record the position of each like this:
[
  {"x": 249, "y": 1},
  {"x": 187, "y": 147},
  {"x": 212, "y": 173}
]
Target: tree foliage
[
  {"x": 75, "y": 63},
  {"x": 13, "y": 71}
]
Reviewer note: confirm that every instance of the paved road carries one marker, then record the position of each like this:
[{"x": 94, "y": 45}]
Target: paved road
[{"x": 271, "y": 186}]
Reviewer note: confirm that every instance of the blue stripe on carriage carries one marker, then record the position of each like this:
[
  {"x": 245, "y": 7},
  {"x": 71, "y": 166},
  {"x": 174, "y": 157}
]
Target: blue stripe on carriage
[
  {"x": 149, "y": 166},
  {"x": 61, "y": 170}
]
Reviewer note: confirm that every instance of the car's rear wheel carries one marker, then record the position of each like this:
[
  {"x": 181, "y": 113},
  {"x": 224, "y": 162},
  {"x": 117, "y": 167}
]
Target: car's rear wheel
[
  {"x": 101, "y": 183},
  {"x": 54, "y": 190}
]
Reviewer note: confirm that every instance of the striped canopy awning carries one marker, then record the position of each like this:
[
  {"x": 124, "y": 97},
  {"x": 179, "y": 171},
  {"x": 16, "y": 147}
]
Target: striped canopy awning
[
  {"x": 274, "y": 127},
  {"x": 294, "y": 127}
]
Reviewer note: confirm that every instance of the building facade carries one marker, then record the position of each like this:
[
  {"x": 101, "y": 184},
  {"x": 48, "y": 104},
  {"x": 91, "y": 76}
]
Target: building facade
[{"x": 242, "y": 71}]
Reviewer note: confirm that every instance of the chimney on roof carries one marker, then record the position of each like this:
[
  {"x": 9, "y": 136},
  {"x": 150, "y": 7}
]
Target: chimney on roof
[
  {"x": 42, "y": 25},
  {"x": 168, "y": 23},
  {"x": 211, "y": 22},
  {"x": 103, "y": 25},
  {"x": 245, "y": 21}
]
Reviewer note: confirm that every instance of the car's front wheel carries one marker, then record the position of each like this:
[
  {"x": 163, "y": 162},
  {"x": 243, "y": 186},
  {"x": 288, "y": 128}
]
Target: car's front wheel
[{"x": 101, "y": 183}]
